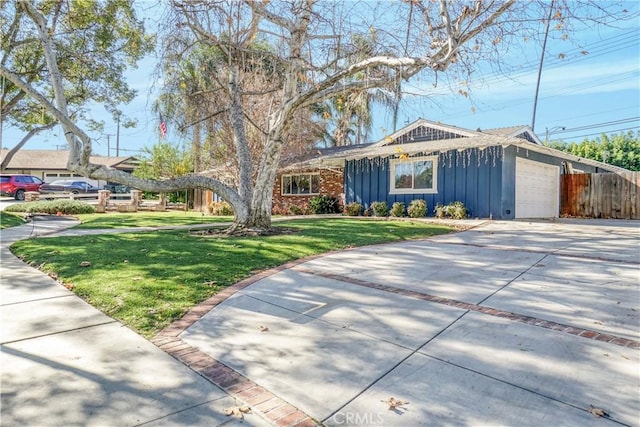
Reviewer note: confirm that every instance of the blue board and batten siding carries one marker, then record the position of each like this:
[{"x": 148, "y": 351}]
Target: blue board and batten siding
[
  {"x": 484, "y": 180},
  {"x": 473, "y": 177}
]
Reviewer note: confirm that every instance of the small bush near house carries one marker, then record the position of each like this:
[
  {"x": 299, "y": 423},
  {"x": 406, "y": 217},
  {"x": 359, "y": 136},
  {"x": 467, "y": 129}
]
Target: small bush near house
[
  {"x": 323, "y": 205},
  {"x": 397, "y": 209},
  {"x": 455, "y": 210},
  {"x": 380, "y": 209},
  {"x": 296, "y": 210},
  {"x": 417, "y": 208},
  {"x": 353, "y": 209},
  {"x": 53, "y": 207},
  {"x": 220, "y": 209}
]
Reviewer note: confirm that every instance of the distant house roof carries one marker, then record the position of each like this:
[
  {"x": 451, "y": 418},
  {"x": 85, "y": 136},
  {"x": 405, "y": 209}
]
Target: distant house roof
[
  {"x": 57, "y": 160},
  {"x": 524, "y": 132},
  {"x": 425, "y": 137}
]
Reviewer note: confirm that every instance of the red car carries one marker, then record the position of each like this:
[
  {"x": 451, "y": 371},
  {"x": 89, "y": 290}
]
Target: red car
[{"x": 17, "y": 185}]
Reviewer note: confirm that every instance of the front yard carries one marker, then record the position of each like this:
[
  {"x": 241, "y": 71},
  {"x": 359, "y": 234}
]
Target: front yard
[{"x": 147, "y": 280}]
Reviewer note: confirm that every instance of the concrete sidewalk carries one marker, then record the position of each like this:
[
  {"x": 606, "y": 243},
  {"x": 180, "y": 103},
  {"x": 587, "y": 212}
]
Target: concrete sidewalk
[
  {"x": 511, "y": 323},
  {"x": 64, "y": 363}
]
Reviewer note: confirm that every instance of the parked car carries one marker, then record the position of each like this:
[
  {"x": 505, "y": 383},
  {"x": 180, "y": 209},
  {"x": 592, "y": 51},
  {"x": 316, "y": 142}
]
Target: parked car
[
  {"x": 68, "y": 186},
  {"x": 16, "y": 185}
]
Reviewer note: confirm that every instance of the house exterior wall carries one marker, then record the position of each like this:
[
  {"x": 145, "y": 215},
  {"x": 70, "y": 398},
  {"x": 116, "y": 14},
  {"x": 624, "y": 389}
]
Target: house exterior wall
[
  {"x": 473, "y": 177},
  {"x": 331, "y": 184}
]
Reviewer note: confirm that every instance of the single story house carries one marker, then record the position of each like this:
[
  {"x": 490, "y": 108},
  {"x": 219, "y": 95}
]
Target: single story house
[
  {"x": 299, "y": 180},
  {"x": 50, "y": 165},
  {"x": 499, "y": 173}
]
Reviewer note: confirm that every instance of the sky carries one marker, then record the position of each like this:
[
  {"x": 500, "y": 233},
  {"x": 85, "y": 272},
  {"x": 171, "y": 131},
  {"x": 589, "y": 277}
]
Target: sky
[{"x": 580, "y": 96}]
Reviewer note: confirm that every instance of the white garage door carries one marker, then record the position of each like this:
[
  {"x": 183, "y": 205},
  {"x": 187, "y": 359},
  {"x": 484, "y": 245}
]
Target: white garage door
[{"x": 537, "y": 189}]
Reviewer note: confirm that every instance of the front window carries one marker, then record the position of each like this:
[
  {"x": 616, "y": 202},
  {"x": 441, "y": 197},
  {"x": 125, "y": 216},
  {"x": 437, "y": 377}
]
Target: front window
[
  {"x": 414, "y": 175},
  {"x": 302, "y": 184}
]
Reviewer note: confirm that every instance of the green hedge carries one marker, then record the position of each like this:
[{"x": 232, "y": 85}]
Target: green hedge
[
  {"x": 324, "y": 205},
  {"x": 353, "y": 209},
  {"x": 53, "y": 207}
]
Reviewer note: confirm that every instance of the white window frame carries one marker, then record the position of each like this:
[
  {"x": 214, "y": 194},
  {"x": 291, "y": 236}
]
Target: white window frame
[
  {"x": 412, "y": 160},
  {"x": 309, "y": 175}
]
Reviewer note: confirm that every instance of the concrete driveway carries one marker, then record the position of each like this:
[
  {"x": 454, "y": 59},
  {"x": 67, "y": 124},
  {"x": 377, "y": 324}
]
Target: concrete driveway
[{"x": 510, "y": 323}]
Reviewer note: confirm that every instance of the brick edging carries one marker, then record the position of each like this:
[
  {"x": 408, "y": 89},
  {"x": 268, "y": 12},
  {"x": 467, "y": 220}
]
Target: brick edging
[
  {"x": 267, "y": 404},
  {"x": 529, "y": 320},
  {"x": 271, "y": 407}
]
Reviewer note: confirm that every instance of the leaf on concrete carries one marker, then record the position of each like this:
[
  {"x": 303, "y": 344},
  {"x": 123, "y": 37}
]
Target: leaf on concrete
[
  {"x": 262, "y": 328},
  {"x": 597, "y": 412},
  {"x": 394, "y": 403},
  {"x": 237, "y": 411}
]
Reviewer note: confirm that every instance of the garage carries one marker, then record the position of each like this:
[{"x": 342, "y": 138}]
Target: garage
[{"x": 537, "y": 189}]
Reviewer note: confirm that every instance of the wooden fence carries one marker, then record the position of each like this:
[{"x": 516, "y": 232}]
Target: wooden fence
[{"x": 601, "y": 195}]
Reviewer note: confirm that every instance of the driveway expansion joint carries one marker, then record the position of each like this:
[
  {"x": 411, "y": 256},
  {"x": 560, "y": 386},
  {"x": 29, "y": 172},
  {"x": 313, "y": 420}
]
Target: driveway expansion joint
[{"x": 529, "y": 320}]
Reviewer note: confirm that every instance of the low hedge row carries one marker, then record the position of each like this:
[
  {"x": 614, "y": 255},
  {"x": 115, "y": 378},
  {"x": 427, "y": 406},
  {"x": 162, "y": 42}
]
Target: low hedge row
[{"x": 52, "y": 207}]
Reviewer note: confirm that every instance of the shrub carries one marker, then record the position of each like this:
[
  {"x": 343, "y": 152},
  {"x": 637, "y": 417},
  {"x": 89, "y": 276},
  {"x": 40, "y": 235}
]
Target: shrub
[
  {"x": 380, "y": 209},
  {"x": 397, "y": 209},
  {"x": 353, "y": 209},
  {"x": 220, "y": 209},
  {"x": 67, "y": 207},
  {"x": 417, "y": 208},
  {"x": 455, "y": 210},
  {"x": 323, "y": 205},
  {"x": 296, "y": 210}
]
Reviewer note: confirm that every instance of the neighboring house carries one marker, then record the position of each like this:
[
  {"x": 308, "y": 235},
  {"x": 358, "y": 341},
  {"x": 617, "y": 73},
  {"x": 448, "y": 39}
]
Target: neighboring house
[
  {"x": 499, "y": 173},
  {"x": 50, "y": 165}
]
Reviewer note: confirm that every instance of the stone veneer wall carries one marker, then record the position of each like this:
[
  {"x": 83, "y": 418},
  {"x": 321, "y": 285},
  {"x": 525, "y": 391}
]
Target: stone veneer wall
[{"x": 331, "y": 184}]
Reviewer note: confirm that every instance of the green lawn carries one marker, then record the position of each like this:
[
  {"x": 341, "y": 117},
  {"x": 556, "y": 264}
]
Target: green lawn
[
  {"x": 147, "y": 280},
  {"x": 147, "y": 219},
  {"x": 10, "y": 220}
]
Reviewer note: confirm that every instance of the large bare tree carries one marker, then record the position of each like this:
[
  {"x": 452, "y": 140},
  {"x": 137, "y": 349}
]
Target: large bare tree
[{"x": 310, "y": 44}]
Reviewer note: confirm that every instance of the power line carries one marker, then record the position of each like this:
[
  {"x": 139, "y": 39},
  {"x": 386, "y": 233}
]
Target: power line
[
  {"x": 608, "y": 132},
  {"x": 599, "y": 125}
]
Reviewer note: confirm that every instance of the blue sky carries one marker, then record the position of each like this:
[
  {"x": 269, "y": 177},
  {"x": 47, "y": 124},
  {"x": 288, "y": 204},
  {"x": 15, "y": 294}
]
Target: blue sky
[{"x": 587, "y": 94}]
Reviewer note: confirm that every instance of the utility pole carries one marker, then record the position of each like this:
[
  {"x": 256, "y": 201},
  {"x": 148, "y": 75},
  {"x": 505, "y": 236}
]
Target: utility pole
[
  {"x": 118, "y": 135},
  {"x": 544, "y": 48},
  {"x": 108, "y": 145}
]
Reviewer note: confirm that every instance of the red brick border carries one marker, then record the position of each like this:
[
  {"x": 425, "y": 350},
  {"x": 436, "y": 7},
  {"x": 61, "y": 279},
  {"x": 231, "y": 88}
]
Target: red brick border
[
  {"x": 270, "y": 406},
  {"x": 547, "y": 324}
]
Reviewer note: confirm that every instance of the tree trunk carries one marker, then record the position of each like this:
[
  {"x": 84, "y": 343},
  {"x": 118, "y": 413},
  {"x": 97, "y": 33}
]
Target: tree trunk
[{"x": 260, "y": 217}]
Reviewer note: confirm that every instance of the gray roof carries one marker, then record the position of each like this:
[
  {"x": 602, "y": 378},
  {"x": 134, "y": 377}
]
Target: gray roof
[
  {"x": 57, "y": 160},
  {"x": 480, "y": 142}
]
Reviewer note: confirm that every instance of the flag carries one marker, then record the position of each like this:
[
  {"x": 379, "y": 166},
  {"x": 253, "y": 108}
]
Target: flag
[{"x": 163, "y": 126}]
